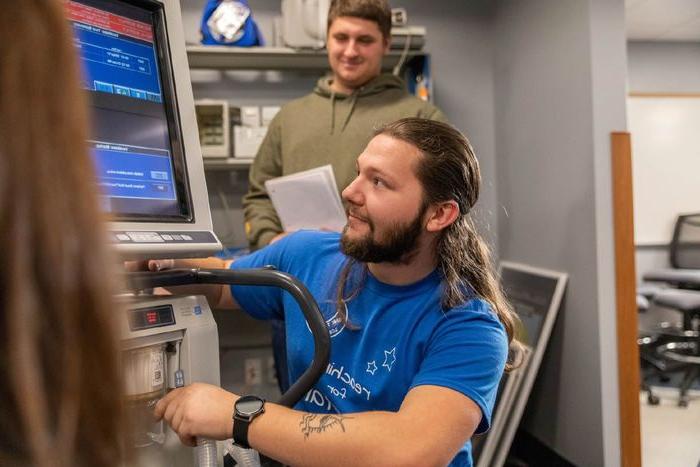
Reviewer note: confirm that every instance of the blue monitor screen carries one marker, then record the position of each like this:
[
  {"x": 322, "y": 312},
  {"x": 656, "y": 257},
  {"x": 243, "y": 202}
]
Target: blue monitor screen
[
  {"x": 117, "y": 63},
  {"x": 135, "y": 134},
  {"x": 133, "y": 172}
]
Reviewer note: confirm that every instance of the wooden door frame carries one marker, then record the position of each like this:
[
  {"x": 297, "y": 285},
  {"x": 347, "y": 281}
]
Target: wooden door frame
[{"x": 626, "y": 299}]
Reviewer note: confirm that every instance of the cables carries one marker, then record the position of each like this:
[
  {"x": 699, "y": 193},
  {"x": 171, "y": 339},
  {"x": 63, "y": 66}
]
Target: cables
[{"x": 404, "y": 54}]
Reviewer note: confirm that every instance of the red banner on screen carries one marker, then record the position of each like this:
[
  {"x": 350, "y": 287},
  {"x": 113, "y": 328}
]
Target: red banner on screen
[{"x": 110, "y": 21}]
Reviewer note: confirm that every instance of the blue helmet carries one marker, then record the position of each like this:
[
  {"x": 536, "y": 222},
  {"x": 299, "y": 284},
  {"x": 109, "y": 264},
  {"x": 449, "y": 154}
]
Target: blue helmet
[{"x": 229, "y": 22}]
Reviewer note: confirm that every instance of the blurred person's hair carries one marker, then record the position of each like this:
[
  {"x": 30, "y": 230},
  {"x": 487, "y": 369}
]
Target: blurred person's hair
[
  {"x": 371, "y": 10},
  {"x": 60, "y": 387}
]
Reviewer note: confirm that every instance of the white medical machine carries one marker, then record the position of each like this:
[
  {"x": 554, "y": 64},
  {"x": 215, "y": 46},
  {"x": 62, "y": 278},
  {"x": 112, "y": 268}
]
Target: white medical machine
[
  {"x": 149, "y": 167},
  {"x": 145, "y": 145}
]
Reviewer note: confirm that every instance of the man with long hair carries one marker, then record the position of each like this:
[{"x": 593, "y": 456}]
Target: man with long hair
[
  {"x": 60, "y": 386},
  {"x": 419, "y": 327}
]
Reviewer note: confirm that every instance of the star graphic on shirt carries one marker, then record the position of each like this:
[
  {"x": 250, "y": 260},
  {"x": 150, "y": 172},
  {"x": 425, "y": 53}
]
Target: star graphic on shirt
[
  {"x": 389, "y": 358},
  {"x": 371, "y": 367}
]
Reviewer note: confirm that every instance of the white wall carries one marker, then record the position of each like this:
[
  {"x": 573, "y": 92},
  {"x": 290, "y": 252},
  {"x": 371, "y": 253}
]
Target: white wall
[
  {"x": 666, "y": 161},
  {"x": 560, "y": 91},
  {"x": 461, "y": 43},
  {"x": 661, "y": 67}
]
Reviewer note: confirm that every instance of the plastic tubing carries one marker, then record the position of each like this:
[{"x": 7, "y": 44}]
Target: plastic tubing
[
  {"x": 205, "y": 452},
  {"x": 243, "y": 457}
]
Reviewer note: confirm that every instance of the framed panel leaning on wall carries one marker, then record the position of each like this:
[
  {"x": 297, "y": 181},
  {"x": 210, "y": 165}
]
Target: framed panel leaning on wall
[{"x": 536, "y": 295}]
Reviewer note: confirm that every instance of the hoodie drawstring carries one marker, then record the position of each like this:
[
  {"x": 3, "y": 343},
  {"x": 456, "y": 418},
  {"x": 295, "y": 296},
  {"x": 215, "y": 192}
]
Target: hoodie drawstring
[
  {"x": 332, "y": 111},
  {"x": 353, "y": 101},
  {"x": 352, "y": 108}
]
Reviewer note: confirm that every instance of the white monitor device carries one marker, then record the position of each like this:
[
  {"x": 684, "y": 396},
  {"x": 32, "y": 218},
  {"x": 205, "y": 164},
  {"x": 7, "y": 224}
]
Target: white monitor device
[
  {"x": 144, "y": 131},
  {"x": 214, "y": 127}
]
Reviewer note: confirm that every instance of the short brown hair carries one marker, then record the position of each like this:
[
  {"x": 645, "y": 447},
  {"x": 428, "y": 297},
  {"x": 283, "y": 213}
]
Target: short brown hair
[{"x": 371, "y": 10}]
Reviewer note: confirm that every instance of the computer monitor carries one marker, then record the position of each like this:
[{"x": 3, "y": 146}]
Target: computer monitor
[{"x": 144, "y": 132}]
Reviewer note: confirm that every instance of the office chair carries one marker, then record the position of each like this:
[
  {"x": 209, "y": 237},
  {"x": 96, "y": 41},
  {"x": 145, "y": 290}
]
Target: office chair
[
  {"x": 654, "y": 366},
  {"x": 684, "y": 255},
  {"x": 647, "y": 344},
  {"x": 683, "y": 349},
  {"x": 680, "y": 346}
]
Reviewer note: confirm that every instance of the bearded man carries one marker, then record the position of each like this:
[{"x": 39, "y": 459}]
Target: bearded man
[{"x": 420, "y": 329}]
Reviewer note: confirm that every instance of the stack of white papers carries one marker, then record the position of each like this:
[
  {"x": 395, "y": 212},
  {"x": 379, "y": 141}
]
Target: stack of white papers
[{"x": 308, "y": 200}]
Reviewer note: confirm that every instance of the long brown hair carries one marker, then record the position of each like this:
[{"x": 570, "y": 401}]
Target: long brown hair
[
  {"x": 60, "y": 387},
  {"x": 448, "y": 170}
]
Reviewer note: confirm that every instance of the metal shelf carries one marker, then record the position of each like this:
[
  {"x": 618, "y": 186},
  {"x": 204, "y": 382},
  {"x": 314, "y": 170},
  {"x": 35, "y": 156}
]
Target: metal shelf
[
  {"x": 270, "y": 58},
  {"x": 207, "y": 57},
  {"x": 231, "y": 163}
]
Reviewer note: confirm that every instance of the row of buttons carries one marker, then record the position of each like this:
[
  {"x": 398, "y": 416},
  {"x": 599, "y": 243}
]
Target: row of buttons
[
  {"x": 124, "y": 91},
  {"x": 177, "y": 237},
  {"x": 151, "y": 237}
]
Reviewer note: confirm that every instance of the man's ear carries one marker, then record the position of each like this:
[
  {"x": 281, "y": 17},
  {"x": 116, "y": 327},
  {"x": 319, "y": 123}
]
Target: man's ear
[
  {"x": 387, "y": 45},
  {"x": 442, "y": 215}
]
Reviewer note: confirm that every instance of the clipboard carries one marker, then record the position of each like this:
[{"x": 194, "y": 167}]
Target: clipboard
[{"x": 308, "y": 200}]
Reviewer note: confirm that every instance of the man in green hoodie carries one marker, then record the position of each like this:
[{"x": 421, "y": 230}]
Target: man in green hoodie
[{"x": 334, "y": 123}]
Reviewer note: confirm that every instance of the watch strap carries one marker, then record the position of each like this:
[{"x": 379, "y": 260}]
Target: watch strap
[{"x": 240, "y": 431}]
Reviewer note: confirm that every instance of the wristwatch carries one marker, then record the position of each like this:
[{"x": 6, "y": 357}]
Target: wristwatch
[{"x": 245, "y": 410}]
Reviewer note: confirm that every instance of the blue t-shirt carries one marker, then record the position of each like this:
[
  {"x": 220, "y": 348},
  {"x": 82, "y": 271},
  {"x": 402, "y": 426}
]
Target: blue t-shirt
[{"x": 403, "y": 338}]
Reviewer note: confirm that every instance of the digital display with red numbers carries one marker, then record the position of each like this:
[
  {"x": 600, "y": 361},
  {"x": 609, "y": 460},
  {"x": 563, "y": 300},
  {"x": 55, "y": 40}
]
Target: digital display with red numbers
[{"x": 146, "y": 318}]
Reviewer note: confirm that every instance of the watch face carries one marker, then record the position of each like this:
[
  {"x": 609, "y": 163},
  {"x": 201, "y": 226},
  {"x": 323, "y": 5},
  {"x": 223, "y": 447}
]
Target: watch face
[{"x": 248, "y": 405}]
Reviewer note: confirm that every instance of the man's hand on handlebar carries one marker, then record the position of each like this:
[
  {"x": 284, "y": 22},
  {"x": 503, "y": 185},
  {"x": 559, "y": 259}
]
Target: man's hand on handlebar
[{"x": 217, "y": 295}]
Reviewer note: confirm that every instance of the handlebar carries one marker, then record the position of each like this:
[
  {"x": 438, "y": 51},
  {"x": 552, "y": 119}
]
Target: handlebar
[{"x": 267, "y": 276}]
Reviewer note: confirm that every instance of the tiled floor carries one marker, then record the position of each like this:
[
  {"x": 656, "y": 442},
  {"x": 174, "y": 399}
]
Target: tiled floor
[{"x": 670, "y": 434}]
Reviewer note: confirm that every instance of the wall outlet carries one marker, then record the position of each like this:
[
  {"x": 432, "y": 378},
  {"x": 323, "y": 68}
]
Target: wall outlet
[
  {"x": 271, "y": 373},
  {"x": 253, "y": 371}
]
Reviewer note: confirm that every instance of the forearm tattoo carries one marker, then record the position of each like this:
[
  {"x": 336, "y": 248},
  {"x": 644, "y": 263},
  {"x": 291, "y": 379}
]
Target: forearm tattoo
[{"x": 315, "y": 423}]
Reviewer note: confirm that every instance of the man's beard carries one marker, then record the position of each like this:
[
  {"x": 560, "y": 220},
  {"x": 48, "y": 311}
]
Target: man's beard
[{"x": 399, "y": 245}]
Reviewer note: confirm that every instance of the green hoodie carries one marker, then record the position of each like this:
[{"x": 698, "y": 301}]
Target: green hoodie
[{"x": 321, "y": 128}]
